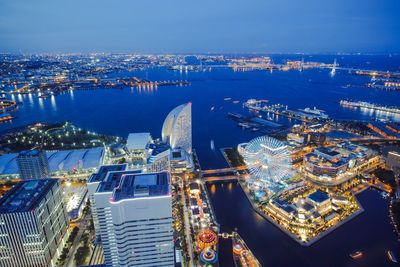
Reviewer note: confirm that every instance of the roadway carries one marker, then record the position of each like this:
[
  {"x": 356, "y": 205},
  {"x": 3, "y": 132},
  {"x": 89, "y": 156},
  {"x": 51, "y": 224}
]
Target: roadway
[
  {"x": 70, "y": 262},
  {"x": 188, "y": 235}
]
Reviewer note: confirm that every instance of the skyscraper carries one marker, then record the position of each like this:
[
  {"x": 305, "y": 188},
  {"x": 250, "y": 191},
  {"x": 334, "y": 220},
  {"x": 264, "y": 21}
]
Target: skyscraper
[
  {"x": 33, "y": 221},
  {"x": 135, "y": 219},
  {"x": 177, "y": 128},
  {"x": 33, "y": 164}
]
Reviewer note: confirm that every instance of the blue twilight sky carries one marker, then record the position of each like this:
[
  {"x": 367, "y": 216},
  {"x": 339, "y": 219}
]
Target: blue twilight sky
[{"x": 200, "y": 26}]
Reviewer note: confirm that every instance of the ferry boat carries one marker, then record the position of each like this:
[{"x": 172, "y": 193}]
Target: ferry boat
[
  {"x": 242, "y": 255},
  {"x": 318, "y": 112},
  {"x": 356, "y": 255},
  {"x": 391, "y": 256}
]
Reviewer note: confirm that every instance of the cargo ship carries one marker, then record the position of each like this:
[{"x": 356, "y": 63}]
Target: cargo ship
[{"x": 242, "y": 255}]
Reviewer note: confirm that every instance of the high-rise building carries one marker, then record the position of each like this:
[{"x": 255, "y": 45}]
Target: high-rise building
[
  {"x": 177, "y": 128},
  {"x": 33, "y": 222},
  {"x": 94, "y": 182},
  {"x": 33, "y": 164},
  {"x": 134, "y": 212}
]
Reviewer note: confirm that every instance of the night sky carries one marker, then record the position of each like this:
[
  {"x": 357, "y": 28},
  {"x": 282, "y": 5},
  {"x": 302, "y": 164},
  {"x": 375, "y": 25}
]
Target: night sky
[{"x": 162, "y": 26}]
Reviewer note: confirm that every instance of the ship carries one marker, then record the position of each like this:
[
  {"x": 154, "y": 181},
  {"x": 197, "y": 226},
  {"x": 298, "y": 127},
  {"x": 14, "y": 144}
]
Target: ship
[
  {"x": 317, "y": 112},
  {"x": 356, "y": 255},
  {"x": 242, "y": 255},
  {"x": 392, "y": 257}
]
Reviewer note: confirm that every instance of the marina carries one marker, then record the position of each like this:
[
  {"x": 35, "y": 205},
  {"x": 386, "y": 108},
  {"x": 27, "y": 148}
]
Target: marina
[{"x": 305, "y": 115}]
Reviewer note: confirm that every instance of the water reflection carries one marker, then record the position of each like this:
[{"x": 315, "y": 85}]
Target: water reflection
[
  {"x": 41, "y": 104},
  {"x": 212, "y": 189},
  {"x": 53, "y": 102}
]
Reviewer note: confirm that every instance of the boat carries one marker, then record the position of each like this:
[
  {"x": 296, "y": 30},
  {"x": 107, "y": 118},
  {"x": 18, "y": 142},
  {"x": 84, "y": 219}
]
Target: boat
[
  {"x": 242, "y": 255},
  {"x": 227, "y": 98},
  {"x": 236, "y": 102},
  {"x": 356, "y": 255},
  {"x": 317, "y": 112},
  {"x": 391, "y": 256},
  {"x": 212, "y": 145},
  {"x": 212, "y": 108}
]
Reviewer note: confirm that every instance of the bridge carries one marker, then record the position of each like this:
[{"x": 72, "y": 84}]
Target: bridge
[
  {"x": 224, "y": 170},
  {"x": 221, "y": 178}
]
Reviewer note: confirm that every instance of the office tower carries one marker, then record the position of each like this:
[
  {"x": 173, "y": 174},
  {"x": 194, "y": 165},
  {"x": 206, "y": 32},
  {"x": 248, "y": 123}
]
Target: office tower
[
  {"x": 33, "y": 221},
  {"x": 134, "y": 211},
  {"x": 33, "y": 164},
  {"x": 177, "y": 128},
  {"x": 94, "y": 182}
]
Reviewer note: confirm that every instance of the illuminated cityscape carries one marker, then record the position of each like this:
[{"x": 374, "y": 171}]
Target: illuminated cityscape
[{"x": 199, "y": 134}]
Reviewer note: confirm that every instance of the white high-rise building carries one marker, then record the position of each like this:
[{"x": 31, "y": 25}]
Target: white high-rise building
[
  {"x": 134, "y": 212},
  {"x": 33, "y": 222},
  {"x": 94, "y": 182},
  {"x": 177, "y": 128}
]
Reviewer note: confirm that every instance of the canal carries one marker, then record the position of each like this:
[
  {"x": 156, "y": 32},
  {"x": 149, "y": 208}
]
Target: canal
[{"x": 370, "y": 232}]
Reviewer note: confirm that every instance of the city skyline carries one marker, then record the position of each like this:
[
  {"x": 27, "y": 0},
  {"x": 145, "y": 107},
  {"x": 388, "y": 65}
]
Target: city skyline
[{"x": 181, "y": 27}]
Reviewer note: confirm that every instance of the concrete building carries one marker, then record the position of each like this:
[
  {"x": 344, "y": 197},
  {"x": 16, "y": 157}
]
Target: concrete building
[
  {"x": 33, "y": 164},
  {"x": 134, "y": 212},
  {"x": 177, "y": 128},
  {"x": 138, "y": 145},
  {"x": 33, "y": 222},
  {"x": 94, "y": 182}
]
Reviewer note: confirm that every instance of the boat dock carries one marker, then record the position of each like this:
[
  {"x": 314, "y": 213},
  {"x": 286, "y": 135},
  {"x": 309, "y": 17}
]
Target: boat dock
[
  {"x": 362, "y": 104},
  {"x": 305, "y": 115}
]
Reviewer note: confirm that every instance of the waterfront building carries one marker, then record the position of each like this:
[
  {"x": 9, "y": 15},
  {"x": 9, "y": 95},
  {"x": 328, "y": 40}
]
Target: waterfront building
[
  {"x": 180, "y": 161},
  {"x": 159, "y": 161},
  {"x": 33, "y": 164},
  {"x": 331, "y": 162},
  {"x": 33, "y": 222},
  {"x": 177, "y": 128},
  {"x": 138, "y": 145},
  {"x": 129, "y": 205}
]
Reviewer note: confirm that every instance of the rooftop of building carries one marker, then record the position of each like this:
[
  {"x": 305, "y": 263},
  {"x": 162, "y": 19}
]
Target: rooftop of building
[
  {"x": 325, "y": 162},
  {"x": 25, "y": 195},
  {"x": 29, "y": 153},
  {"x": 142, "y": 185},
  {"x": 63, "y": 160},
  {"x": 138, "y": 141},
  {"x": 328, "y": 151},
  {"x": 318, "y": 196},
  {"x": 103, "y": 170},
  {"x": 113, "y": 179}
]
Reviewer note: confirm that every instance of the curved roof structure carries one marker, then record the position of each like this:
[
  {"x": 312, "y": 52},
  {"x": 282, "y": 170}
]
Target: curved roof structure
[{"x": 177, "y": 128}]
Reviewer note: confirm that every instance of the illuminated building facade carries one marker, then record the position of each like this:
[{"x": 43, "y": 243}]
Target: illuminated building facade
[
  {"x": 134, "y": 212},
  {"x": 177, "y": 128},
  {"x": 33, "y": 222}
]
